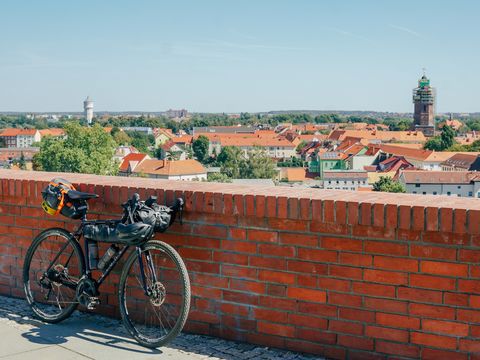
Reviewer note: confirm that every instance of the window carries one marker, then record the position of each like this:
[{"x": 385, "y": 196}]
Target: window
[
  {"x": 459, "y": 187},
  {"x": 449, "y": 193},
  {"x": 417, "y": 185},
  {"x": 434, "y": 193},
  {"x": 470, "y": 193},
  {"x": 424, "y": 193},
  {"x": 414, "y": 192}
]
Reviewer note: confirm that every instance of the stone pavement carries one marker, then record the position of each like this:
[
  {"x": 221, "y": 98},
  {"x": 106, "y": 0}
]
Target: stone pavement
[{"x": 88, "y": 336}]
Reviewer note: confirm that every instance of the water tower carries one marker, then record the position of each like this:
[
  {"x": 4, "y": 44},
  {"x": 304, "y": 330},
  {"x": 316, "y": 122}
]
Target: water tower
[{"x": 88, "y": 109}]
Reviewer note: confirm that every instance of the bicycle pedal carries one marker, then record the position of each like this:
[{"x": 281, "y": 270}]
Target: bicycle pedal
[{"x": 92, "y": 303}]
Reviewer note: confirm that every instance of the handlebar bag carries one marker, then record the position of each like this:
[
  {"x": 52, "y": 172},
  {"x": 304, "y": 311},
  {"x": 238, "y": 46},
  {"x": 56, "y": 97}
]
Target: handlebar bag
[{"x": 158, "y": 216}]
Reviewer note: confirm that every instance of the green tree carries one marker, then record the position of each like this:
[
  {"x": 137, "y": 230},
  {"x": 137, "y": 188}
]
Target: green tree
[
  {"x": 83, "y": 150},
  {"x": 218, "y": 177},
  {"x": 435, "y": 143},
  {"x": 231, "y": 159},
  {"x": 447, "y": 136},
  {"x": 258, "y": 166},
  {"x": 120, "y": 137},
  {"x": 387, "y": 184},
  {"x": 200, "y": 148}
]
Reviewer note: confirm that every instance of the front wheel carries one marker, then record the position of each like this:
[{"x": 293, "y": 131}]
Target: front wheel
[{"x": 154, "y": 294}]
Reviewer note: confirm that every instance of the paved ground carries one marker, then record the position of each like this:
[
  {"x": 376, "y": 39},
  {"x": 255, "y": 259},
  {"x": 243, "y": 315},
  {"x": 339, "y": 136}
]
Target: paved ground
[{"x": 86, "y": 336}]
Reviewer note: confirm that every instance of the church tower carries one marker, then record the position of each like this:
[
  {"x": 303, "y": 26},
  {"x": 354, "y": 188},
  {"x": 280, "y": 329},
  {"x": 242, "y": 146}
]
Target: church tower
[{"x": 424, "y": 111}]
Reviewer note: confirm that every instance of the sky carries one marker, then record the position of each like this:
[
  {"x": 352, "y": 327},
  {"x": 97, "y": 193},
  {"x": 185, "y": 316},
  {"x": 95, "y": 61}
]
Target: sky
[{"x": 237, "y": 56}]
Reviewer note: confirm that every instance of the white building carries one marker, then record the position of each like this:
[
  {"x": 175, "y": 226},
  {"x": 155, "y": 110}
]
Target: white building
[
  {"x": 449, "y": 183},
  {"x": 88, "y": 109},
  {"x": 345, "y": 180}
]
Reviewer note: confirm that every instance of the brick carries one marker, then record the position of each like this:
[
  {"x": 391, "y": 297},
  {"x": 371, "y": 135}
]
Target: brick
[
  {"x": 276, "y": 290},
  {"x": 240, "y": 297},
  {"x": 468, "y": 255},
  {"x": 392, "y": 263},
  {"x": 355, "y": 342},
  {"x": 364, "y": 316},
  {"x": 435, "y": 354},
  {"x": 210, "y": 280},
  {"x": 445, "y": 327},
  {"x": 455, "y": 299},
  {"x": 470, "y": 286},
  {"x": 446, "y": 220},
  {"x": 276, "y": 250},
  {"x": 317, "y": 336},
  {"x": 433, "y": 252},
  {"x": 344, "y": 299},
  {"x": 341, "y": 244},
  {"x": 239, "y": 246},
  {"x": 262, "y": 236},
  {"x": 411, "y": 351},
  {"x": 369, "y": 231},
  {"x": 239, "y": 271},
  {"x": 307, "y": 321},
  {"x": 432, "y": 282},
  {"x": 299, "y": 239},
  {"x": 268, "y": 262},
  {"x": 355, "y": 259},
  {"x": 276, "y": 277},
  {"x": 305, "y": 209},
  {"x": 437, "y": 341},
  {"x": 271, "y": 315},
  {"x": 329, "y": 228},
  {"x": 329, "y": 211},
  {"x": 419, "y": 295},
  {"x": 404, "y": 217},
  {"x": 275, "y": 329},
  {"x": 387, "y": 277},
  {"x": 307, "y": 294},
  {"x": 387, "y": 333},
  {"x": 473, "y": 221},
  {"x": 347, "y": 272},
  {"x": 277, "y": 303},
  {"x": 345, "y": 327},
  {"x": 230, "y": 258},
  {"x": 287, "y": 224},
  {"x": 317, "y": 210},
  {"x": 238, "y": 233},
  {"x": 471, "y": 316},
  {"x": 245, "y": 285},
  {"x": 317, "y": 309},
  {"x": 443, "y": 268},
  {"x": 398, "y": 321},
  {"x": 432, "y": 311},
  {"x": 271, "y": 208},
  {"x": 340, "y": 212},
  {"x": 209, "y": 230},
  {"x": 394, "y": 306},
  {"x": 334, "y": 284},
  {"x": 472, "y": 346},
  {"x": 307, "y": 267},
  {"x": 317, "y": 255},
  {"x": 374, "y": 289},
  {"x": 388, "y": 248},
  {"x": 234, "y": 309}
]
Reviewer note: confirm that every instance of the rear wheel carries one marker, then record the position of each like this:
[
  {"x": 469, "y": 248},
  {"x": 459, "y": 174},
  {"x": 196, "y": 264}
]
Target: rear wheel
[
  {"x": 53, "y": 266},
  {"x": 156, "y": 317}
]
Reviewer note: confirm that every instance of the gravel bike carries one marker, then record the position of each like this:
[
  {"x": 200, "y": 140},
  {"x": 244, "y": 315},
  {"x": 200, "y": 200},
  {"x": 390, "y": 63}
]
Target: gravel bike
[{"x": 154, "y": 287}]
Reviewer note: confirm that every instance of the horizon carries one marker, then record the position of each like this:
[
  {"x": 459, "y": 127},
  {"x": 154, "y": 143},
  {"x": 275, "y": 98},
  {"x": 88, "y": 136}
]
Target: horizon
[{"x": 214, "y": 57}]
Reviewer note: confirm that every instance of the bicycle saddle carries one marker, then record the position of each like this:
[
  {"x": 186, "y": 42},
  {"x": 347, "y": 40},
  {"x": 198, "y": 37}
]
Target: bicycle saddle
[{"x": 78, "y": 195}]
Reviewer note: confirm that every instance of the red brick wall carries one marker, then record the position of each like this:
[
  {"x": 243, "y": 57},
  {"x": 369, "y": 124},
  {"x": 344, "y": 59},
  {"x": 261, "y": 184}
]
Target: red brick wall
[{"x": 340, "y": 274}]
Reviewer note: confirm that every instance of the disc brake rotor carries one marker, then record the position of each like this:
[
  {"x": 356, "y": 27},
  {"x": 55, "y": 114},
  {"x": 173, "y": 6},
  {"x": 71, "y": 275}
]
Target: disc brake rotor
[{"x": 158, "y": 294}]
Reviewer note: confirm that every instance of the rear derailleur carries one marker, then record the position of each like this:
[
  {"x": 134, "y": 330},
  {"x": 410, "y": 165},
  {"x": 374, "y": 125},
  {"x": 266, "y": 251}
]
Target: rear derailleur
[{"x": 87, "y": 293}]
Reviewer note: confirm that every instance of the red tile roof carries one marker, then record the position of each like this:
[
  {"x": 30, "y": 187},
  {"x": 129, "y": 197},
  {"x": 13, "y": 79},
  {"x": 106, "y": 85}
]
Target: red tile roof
[
  {"x": 384, "y": 136},
  {"x": 170, "y": 168},
  {"x": 439, "y": 177},
  {"x": 136, "y": 157}
]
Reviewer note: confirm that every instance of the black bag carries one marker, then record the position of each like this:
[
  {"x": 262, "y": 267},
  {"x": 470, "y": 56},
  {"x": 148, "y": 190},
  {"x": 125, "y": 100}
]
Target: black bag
[
  {"x": 116, "y": 232},
  {"x": 160, "y": 217}
]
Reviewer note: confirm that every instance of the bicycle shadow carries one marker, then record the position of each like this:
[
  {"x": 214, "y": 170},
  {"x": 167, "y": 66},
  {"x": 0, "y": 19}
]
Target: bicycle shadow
[{"x": 83, "y": 327}]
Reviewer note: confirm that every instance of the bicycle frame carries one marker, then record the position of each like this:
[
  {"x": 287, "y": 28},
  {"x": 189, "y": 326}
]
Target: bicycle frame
[{"x": 88, "y": 271}]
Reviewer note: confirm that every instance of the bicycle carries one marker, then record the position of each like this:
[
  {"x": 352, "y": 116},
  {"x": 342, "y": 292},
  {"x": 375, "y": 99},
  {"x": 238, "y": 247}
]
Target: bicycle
[{"x": 153, "y": 290}]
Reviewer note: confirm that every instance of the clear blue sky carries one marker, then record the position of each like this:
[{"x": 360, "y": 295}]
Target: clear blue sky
[{"x": 232, "y": 56}]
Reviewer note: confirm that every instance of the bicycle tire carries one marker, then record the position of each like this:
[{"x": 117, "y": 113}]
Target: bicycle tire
[
  {"x": 170, "y": 251},
  {"x": 26, "y": 273}
]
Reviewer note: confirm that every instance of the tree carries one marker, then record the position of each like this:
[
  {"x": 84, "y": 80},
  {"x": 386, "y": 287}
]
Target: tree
[
  {"x": 231, "y": 159},
  {"x": 442, "y": 142},
  {"x": 447, "y": 136},
  {"x": 200, "y": 148},
  {"x": 218, "y": 177},
  {"x": 258, "y": 166},
  {"x": 120, "y": 137},
  {"x": 387, "y": 184},
  {"x": 83, "y": 150}
]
